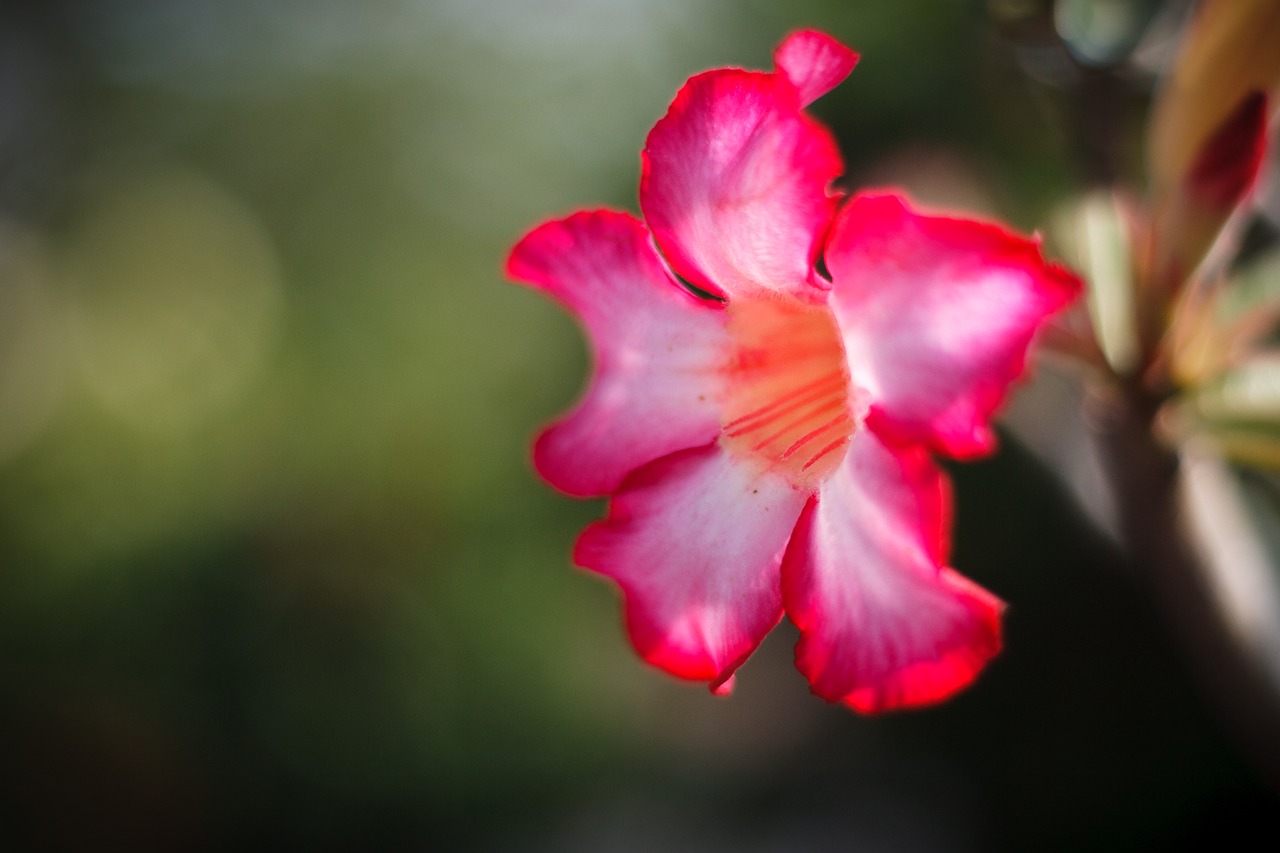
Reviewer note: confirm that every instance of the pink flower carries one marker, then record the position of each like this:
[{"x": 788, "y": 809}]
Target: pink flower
[{"x": 768, "y": 450}]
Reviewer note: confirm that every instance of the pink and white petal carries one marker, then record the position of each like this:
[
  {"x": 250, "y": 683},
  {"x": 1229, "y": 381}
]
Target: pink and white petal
[
  {"x": 937, "y": 315},
  {"x": 882, "y": 624},
  {"x": 735, "y": 185},
  {"x": 695, "y": 541},
  {"x": 814, "y": 62},
  {"x": 657, "y": 347}
]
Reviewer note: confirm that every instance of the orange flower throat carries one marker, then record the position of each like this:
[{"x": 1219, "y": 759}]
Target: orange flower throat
[{"x": 788, "y": 401}]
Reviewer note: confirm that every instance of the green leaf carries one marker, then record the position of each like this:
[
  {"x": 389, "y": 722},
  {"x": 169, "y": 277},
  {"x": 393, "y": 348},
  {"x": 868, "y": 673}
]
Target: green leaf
[
  {"x": 1094, "y": 237},
  {"x": 1234, "y": 520}
]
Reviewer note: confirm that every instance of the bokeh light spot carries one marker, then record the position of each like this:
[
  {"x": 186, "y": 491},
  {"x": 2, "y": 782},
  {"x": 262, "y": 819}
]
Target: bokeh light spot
[{"x": 177, "y": 297}]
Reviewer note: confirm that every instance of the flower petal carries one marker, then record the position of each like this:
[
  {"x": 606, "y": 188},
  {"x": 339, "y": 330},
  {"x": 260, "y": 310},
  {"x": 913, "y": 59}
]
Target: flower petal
[
  {"x": 814, "y": 62},
  {"x": 937, "y": 315},
  {"x": 882, "y": 624},
  {"x": 734, "y": 184},
  {"x": 695, "y": 541},
  {"x": 655, "y": 388}
]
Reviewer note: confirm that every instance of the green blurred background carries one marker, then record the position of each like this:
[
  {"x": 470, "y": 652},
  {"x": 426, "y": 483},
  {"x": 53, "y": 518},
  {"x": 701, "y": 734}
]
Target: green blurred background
[{"x": 274, "y": 566}]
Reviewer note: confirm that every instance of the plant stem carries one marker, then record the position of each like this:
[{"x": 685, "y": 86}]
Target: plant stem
[{"x": 1144, "y": 477}]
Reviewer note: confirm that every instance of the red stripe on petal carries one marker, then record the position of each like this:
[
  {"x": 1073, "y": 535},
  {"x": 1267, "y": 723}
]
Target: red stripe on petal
[
  {"x": 804, "y": 417},
  {"x": 785, "y": 385},
  {"x": 843, "y": 420},
  {"x": 824, "y": 453},
  {"x": 832, "y": 382}
]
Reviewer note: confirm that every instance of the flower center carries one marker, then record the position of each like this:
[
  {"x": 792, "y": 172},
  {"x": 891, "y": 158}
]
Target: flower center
[{"x": 788, "y": 401}]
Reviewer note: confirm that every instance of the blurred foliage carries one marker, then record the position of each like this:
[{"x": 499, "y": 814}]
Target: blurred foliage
[{"x": 273, "y": 564}]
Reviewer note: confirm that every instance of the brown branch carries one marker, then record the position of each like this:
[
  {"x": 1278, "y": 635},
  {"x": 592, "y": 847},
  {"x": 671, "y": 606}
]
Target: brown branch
[{"x": 1144, "y": 478}]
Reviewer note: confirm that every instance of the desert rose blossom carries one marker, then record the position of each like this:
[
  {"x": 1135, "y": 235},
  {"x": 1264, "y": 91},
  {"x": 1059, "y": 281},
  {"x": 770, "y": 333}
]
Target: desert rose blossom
[{"x": 766, "y": 435}]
